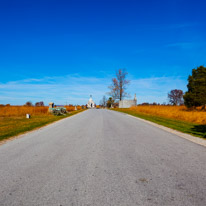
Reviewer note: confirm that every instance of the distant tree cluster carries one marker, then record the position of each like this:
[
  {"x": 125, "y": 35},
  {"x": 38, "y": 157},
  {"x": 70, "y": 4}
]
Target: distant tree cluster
[
  {"x": 103, "y": 101},
  {"x": 28, "y": 104},
  {"x": 5, "y": 105},
  {"x": 39, "y": 104},
  {"x": 152, "y": 104},
  {"x": 110, "y": 102}
]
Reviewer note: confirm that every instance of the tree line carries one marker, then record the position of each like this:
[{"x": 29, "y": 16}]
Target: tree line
[
  {"x": 196, "y": 94},
  {"x": 194, "y": 97}
]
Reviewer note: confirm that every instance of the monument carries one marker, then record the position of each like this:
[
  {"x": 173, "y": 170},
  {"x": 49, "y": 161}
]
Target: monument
[
  {"x": 128, "y": 103},
  {"x": 51, "y": 106},
  {"x": 90, "y": 103}
]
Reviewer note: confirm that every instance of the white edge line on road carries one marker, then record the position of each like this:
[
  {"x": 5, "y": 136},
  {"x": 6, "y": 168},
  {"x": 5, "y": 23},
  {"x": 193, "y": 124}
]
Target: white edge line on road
[{"x": 191, "y": 138}]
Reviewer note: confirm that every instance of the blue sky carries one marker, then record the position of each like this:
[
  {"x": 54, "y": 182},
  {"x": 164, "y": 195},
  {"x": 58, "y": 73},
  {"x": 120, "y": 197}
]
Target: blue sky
[{"x": 63, "y": 51}]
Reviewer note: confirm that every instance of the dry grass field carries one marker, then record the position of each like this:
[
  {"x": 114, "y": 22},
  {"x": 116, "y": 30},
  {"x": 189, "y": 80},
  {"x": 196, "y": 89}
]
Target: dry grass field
[
  {"x": 13, "y": 119},
  {"x": 72, "y": 108},
  {"x": 173, "y": 112},
  {"x": 175, "y": 117},
  {"x": 20, "y": 111}
]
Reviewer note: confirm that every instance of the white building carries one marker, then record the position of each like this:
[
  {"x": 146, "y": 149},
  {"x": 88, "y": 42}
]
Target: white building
[
  {"x": 128, "y": 103},
  {"x": 90, "y": 103}
]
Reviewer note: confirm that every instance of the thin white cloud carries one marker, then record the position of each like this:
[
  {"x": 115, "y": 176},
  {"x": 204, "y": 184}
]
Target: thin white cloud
[
  {"x": 166, "y": 27},
  {"x": 185, "y": 45},
  {"x": 72, "y": 89},
  {"x": 75, "y": 89},
  {"x": 155, "y": 89}
]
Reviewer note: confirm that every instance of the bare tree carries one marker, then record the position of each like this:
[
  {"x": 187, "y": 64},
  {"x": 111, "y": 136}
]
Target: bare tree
[
  {"x": 176, "y": 97},
  {"x": 119, "y": 84},
  {"x": 104, "y": 101}
]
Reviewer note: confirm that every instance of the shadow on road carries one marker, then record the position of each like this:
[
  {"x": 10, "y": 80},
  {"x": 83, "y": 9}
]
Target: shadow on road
[{"x": 200, "y": 129}]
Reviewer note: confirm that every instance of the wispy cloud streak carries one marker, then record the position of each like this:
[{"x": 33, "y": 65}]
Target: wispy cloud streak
[
  {"x": 70, "y": 89},
  {"x": 75, "y": 89}
]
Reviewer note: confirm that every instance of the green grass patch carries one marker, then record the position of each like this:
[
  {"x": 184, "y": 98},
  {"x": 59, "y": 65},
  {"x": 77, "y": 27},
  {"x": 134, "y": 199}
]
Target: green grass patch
[
  {"x": 182, "y": 126},
  {"x": 12, "y": 126}
]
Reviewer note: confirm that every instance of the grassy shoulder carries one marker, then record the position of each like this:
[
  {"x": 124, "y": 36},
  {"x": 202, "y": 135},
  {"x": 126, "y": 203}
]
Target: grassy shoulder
[
  {"x": 182, "y": 126},
  {"x": 12, "y": 126}
]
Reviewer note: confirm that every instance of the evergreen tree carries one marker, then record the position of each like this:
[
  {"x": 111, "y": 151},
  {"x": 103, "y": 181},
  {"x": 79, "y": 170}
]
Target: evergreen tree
[{"x": 196, "y": 94}]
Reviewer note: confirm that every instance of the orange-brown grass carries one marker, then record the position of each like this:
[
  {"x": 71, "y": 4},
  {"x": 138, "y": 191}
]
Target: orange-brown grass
[
  {"x": 72, "y": 108},
  {"x": 13, "y": 119},
  {"x": 173, "y": 112},
  {"x": 79, "y": 107},
  {"x": 19, "y": 111}
]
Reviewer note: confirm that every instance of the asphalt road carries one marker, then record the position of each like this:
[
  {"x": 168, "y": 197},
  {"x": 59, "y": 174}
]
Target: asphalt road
[{"x": 102, "y": 157}]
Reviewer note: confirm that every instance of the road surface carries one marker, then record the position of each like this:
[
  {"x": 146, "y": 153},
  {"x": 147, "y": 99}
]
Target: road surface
[{"x": 102, "y": 157}]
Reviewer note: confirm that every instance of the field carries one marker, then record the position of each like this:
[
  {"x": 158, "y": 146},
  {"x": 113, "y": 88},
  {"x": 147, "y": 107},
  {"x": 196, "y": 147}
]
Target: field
[
  {"x": 13, "y": 119},
  {"x": 21, "y": 111},
  {"x": 72, "y": 108},
  {"x": 173, "y": 112},
  {"x": 175, "y": 117}
]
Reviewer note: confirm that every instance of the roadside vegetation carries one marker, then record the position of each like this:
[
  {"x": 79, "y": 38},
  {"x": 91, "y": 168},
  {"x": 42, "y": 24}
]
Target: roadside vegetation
[
  {"x": 176, "y": 117},
  {"x": 13, "y": 119},
  {"x": 182, "y": 113},
  {"x": 185, "y": 112}
]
